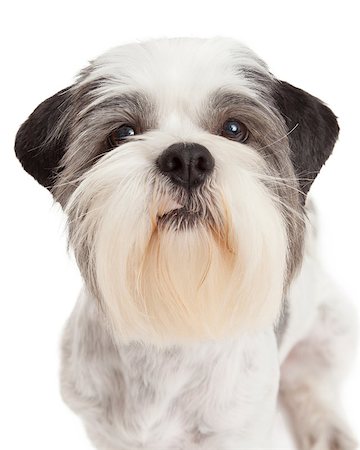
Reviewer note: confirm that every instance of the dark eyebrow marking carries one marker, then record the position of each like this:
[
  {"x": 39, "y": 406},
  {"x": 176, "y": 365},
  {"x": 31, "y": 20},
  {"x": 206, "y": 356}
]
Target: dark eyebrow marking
[
  {"x": 224, "y": 98},
  {"x": 134, "y": 103},
  {"x": 101, "y": 104},
  {"x": 226, "y": 104}
]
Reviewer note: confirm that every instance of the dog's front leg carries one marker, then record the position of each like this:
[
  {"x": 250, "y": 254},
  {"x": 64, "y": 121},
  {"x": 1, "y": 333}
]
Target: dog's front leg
[{"x": 240, "y": 407}]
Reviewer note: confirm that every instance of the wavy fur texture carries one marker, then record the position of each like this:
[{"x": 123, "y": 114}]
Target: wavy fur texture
[{"x": 201, "y": 307}]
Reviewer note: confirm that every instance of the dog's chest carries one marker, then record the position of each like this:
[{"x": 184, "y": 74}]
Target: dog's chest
[
  {"x": 139, "y": 396},
  {"x": 192, "y": 393}
]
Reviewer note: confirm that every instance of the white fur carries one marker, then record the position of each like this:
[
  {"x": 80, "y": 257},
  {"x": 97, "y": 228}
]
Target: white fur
[
  {"x": 182, "y": 354},
  {"x": 162, "y": 285},
  {"x": 218, "y": 395},
  {"x": 172, "y": 70}
]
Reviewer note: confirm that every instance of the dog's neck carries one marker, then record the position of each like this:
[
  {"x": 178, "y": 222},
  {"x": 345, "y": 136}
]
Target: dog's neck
[{"x": 147, "y": 358}]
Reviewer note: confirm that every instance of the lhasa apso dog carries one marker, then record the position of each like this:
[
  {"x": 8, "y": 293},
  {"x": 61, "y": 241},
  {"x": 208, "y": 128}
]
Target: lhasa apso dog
[{"x": 183, "y": 166}]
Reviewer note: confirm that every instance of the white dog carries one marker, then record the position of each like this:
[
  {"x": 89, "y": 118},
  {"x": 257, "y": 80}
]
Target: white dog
[{"x": 184, "y": 166}]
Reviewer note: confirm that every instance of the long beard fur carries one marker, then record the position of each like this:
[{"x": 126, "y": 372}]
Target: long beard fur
[{"x": 175, "y": 282}]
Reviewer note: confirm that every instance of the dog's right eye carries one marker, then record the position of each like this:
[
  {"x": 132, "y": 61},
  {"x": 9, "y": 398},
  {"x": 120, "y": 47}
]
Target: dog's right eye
[{"x": 119, "y": 135}]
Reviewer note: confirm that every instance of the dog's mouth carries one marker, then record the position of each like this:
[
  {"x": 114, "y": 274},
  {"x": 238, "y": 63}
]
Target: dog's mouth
[{"x": 179, "y": 218}]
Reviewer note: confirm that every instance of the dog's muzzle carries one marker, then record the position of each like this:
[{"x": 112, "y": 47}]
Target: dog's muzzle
[{"x": 187, "y": 166}]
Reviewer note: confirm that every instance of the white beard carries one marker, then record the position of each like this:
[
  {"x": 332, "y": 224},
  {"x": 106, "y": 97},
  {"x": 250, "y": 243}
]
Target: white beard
[{"x": 162, "y": 284}]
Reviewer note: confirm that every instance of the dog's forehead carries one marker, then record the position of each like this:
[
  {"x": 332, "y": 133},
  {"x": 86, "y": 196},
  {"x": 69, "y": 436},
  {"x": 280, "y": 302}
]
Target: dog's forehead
[{"x": 176, "y": 71}]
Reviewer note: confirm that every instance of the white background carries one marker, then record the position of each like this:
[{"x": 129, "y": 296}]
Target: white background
[{"x": 313, "y": 45}]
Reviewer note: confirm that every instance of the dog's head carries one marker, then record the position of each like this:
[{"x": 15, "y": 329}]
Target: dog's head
[{"x": 183, "y": 166}]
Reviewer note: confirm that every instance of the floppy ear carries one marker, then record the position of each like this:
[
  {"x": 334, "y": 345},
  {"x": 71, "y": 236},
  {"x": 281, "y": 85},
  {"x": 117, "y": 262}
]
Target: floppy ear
[
  {"x": 39, "y": 144},
  {"x": 314, "y": 130}
]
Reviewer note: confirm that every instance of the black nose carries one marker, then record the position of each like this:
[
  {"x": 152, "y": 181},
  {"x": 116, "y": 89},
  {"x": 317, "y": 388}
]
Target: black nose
[{"x": 186, "y": 164}]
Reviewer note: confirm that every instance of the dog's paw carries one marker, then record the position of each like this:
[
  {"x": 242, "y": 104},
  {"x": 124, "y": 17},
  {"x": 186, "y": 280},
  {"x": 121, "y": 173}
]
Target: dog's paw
[{"x": 333, "y": 437}]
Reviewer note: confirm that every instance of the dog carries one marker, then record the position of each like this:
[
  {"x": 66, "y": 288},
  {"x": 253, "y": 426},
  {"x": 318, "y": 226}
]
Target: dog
[{"x": 184, "y": 166}]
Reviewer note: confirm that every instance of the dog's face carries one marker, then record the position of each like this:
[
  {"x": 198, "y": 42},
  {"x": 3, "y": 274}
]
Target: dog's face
[{"x": 183, "y": 166}]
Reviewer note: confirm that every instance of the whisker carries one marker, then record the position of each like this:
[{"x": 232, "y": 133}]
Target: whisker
[
  {"x": 80, "y": 216},
  {"x": 280, "y": 139},
  {"x": 295, "y": 214},
  {"x": 81, "y": 177},
  {"x": 283, "y": 182}
]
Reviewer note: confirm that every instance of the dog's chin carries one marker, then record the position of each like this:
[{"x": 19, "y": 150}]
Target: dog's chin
[{"x": 180, "y": 219}]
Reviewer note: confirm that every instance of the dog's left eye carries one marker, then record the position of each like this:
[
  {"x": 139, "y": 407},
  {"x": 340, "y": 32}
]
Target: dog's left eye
[
  {"x": 120, "y": 135},
  {"x": 237, "y": 131}
]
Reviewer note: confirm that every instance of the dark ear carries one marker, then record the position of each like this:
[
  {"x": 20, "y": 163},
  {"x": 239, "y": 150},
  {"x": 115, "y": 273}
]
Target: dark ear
[
  {"x": 40, "y": 144},
  {"x": 315, "y": 133}
]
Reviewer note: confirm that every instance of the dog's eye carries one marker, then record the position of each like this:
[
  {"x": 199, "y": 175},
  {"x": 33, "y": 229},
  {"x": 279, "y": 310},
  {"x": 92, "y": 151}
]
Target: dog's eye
[
  {"x": 237, "y": 131},
  {"x": 120, "y": 135}
]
